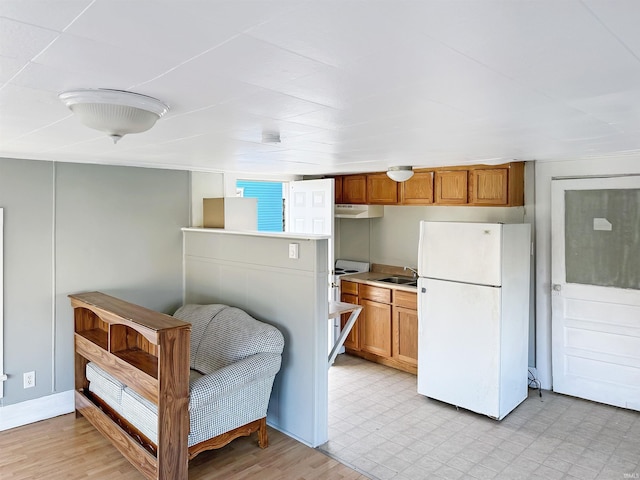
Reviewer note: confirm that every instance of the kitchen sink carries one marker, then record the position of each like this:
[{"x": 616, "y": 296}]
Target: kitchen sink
[{"x": 408, "y": 281}]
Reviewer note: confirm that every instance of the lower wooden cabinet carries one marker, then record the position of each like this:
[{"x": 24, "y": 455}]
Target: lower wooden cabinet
[
  {"x": 386, "y": 331},
  {"x": 375, "y": 328},
  {"x": 405, "y": 335},
  {"x": 405, "y": 327}
]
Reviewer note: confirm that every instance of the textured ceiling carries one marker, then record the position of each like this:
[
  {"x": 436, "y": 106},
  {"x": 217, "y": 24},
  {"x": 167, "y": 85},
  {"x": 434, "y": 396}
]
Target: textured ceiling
[{"x": 349, "y": 85}]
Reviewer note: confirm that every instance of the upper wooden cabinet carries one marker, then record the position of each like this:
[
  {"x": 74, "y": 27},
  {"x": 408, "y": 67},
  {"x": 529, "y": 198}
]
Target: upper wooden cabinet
[
  {"x": 488, "y": 186},
  {"x": 337, "y": 187},
  {"x": 381, "y": 189},
  {"x": 451, "y": 187},
  {"x": 502, "y": 185},
  {"x": 418, "y": 190},
  {"x": 354, "y": 189}
]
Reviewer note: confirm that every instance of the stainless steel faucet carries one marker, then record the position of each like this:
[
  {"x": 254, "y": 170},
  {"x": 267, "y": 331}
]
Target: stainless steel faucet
[{"x": 415, "y": 272}]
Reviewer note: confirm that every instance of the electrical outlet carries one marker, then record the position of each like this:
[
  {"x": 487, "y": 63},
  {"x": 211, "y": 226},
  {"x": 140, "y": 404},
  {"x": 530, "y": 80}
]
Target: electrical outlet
[{"x": 29, "y": 379}]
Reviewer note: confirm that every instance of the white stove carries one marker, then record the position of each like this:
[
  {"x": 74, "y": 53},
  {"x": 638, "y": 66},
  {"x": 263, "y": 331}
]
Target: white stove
[{"x": 343, "y": 267}]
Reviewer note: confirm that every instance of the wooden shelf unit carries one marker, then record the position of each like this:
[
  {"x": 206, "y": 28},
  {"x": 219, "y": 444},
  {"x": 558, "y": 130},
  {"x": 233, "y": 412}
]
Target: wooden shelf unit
[{"x": 149, "y": 352}]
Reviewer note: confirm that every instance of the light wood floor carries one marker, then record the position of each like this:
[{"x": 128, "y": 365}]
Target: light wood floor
[{"x": 67, "y": 448}]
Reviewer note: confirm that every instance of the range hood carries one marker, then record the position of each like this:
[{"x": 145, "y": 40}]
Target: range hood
[{"x": 358, "y": 211}]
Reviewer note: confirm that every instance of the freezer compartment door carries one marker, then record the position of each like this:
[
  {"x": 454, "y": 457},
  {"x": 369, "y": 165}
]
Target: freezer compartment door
[
  {"x": 462, "y": 252},
  {"x": 459, "y": 344}
]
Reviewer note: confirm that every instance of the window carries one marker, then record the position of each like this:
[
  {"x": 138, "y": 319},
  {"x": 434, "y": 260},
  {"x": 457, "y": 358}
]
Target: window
[{"x": 270, "y": 202}]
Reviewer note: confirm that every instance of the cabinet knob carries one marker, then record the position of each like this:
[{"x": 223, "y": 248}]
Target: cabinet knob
[{"x": 423, "y": 290}]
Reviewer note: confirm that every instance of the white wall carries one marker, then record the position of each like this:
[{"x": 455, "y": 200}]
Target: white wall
[
  {"x": 26, "y": 194},
  {"x": 204, "y": 185},
  {"x": 118, "y": 230},
  {"x": 545, "y": 172},
  {"x": 394, "y": 237},
  {"x": 74, "y": 227},
  {"x": 253, "y": 272}
]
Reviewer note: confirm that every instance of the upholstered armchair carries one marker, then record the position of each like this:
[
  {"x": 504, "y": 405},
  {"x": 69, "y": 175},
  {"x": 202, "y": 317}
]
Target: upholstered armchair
[{"x": 234, "y": 360}]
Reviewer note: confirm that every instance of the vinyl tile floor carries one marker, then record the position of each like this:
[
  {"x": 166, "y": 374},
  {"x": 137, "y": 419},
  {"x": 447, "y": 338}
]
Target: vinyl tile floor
[{"x": 380, "y": 426}]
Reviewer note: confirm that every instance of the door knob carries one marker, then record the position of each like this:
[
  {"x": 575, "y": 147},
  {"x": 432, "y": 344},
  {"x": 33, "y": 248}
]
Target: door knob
[{"x": 557, "y": 287}]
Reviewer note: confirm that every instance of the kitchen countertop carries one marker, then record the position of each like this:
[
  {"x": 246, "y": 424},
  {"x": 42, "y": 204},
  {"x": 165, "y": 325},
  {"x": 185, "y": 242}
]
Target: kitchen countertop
[{"x": 372, "y": 278}]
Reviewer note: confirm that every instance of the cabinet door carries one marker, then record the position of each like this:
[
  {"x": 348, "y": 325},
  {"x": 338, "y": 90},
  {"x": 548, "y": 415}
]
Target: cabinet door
[
  {"x": 451, "y": 187},
  {"x": 405, "y": 335},
  {"x": 381, "y": 189},
  {"x": 354, "y": 189},
  {"x": 375, "y": 328},
  {"x": 352, "y": 342},
  {"x": 489, "y": 186},
  {"x": 418, "y": 190},
  {"x": 337, "y": 185}
]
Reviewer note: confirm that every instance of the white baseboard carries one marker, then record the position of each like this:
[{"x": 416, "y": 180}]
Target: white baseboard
[
  {"x": 37, "y": 409},
  {"x": 289, "y": 434}
]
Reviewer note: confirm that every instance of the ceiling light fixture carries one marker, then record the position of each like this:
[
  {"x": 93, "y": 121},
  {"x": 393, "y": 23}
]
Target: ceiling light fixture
[
  {"x": 400, "y": 174},
  {"x": 116, "y": 112}
]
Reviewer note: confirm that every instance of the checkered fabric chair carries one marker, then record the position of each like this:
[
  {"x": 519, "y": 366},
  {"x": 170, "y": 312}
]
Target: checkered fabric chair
[{"x": 234, "y": 360}]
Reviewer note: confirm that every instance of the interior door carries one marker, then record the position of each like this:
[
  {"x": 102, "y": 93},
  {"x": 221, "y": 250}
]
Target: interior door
[
  {"x": 596, "y": 289},
  {"x": 310, "y": 210}
]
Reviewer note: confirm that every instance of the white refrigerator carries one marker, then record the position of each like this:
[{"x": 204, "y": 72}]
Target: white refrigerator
[{"x": 473, "y": 314}]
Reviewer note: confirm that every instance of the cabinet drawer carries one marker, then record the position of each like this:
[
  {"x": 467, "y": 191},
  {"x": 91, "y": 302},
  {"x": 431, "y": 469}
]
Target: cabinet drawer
[
  {"x": 350, "y": 288},
  {"x": 405, "y": 299},
  {"x": 377, "y": 294}
]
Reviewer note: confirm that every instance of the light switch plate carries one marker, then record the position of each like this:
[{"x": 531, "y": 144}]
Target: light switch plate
[{"x": 294, "y": 250}]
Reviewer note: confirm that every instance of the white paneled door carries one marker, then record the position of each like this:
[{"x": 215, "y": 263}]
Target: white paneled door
[
  {"x": 311, "y": 204},
  {"x": 596, "y": 289}
]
